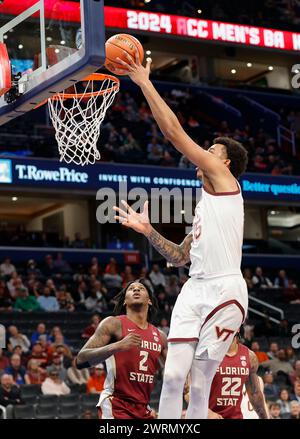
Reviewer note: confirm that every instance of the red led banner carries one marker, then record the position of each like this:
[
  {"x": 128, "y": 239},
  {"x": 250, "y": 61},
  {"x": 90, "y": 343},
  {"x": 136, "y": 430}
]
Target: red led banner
[{"x": 168, "y": 24}]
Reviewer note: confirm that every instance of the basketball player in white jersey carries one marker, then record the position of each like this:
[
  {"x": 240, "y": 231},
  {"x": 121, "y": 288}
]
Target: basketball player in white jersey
[{"x": 213, "y": 303}]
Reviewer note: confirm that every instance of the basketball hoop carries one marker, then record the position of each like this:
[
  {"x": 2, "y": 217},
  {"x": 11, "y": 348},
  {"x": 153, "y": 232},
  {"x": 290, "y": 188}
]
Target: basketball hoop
[{"x": 77, "y": 117}]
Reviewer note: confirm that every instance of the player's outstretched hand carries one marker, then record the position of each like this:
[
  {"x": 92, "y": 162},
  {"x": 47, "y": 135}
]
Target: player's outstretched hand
[
  {"x": 136, "y": 221},
  {"x": 136, "y": 71},
  {"x": 131, "y": 340}
]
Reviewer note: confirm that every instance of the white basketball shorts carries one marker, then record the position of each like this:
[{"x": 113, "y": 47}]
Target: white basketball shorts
[{"x": 209, "y": 312}]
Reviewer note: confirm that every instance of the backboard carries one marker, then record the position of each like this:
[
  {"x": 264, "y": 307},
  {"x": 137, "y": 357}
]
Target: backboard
[{"x": 51, "y": 45}]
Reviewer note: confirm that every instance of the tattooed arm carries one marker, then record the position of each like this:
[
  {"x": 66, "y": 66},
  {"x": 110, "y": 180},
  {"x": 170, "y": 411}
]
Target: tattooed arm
[
  {"x": 178, "y": 255},
  {"x": 100, "y": 347},
  {"x": 255, "y": 393}
]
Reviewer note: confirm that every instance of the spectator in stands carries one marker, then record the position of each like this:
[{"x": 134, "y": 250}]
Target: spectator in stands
[
  {"x": 247, "y": 274},
  {"x": 4, "y": 363},
  {"x": 273, "y": 350},
  {"x": 111, "y": 267},
  {"x": 48, "y": 268},
  {"x": 35, "y": 373},
  {"x": 57, "y": 366},
  {"x": 281, "y": 281},
  {"x": 295, "y": 375},
  {"x": 295, "y": 410},
  {"x": 61, "y": 265},
  {"x": 80, "y": 294},
  {"x": 90, "y": 330},
  {"x": 65, "y": 300},
  {"x": 261, "y": 356},
  {"x": 162, "y": 301},
  {"x": 76, "y": 376},
  {"x": 112, "y": 280},
  {"x": 261, "y": 281},
  {"x": 7, "y": 268},
  {"x": 156, "y": 276},
  {"x": 40, "y": 331},
  {"x": 65, "y": 354},
  {"x": 164, "y": 326},
  {"x": 14, "y": 284},
  {"x": 32, "y": 268},
  {"x": 78, "y": 241},
  {"x": 48, "y": 302},
  {"x": 16, "y": 338},
  {"x": 173, "y": 288},
  {"x": 274, "y": 410},
  {"x": 271, "y": 390},
  {"x": 25, "y": 302},
  {"x": 127, "y": 275},
  {"x": 279, "y": 364},
  {"x": 284, "y": 402},
  {"x": 53, "y": 385},
  {"x": 39, "y": 354},
  {"x": 296, "y": 394},
  {"x": 95, "y": 383},
  {"x": 5, "y": 302},
  {"x": 10, "y": 394},
  {"x": 96, "y": 300},
  {"x": 51, "y": 285},
  {"x": 16, "y": 370},
  {"x": 290, "y": 355},
  {"x": 24, "y": 357}
]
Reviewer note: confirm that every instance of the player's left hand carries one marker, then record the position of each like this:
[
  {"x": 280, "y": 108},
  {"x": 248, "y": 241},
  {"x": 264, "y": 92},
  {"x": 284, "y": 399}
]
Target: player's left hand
[{"x": 136, "y": 71}]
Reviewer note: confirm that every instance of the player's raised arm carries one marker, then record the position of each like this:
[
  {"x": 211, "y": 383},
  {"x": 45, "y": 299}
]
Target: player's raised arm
[
  {"x": 178, "y": 255},
  {"x": 168, "y": 122},
  {"x": 255, "y": 394},
  {"x": 99, "y": 347}
]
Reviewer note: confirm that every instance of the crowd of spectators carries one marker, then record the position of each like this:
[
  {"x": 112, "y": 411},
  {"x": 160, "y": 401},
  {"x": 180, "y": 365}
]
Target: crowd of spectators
[
  {"x": 257, "y": 280},
  {"x": 130, "y": 135},
  {"x": 278, "y": 14},
  {"x": 45, "y": 356}
]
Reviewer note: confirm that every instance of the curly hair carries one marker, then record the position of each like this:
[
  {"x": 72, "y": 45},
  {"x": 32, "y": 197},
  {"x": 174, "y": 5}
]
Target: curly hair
[
  {"x": 236, "y": 153},
  {"x": 120, "y": 308}
]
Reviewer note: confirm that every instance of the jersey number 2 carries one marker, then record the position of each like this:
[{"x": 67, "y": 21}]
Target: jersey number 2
[{"x": 143, "y": 366}]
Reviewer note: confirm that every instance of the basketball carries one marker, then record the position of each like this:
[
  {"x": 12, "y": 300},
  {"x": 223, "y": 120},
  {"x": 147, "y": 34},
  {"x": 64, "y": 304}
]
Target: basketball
[{"x": 114, "y": 48}]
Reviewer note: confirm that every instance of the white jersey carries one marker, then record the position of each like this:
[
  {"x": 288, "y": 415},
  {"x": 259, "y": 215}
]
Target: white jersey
[
  {"x": 218, "y": 228},
  {"x": 246, "y": 406}
]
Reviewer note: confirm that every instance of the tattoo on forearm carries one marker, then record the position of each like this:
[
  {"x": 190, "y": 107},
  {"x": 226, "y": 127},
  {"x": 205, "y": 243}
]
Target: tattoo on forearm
[
  {"x": 174, "y": 253},
  {"x": 256, "y": 396}
]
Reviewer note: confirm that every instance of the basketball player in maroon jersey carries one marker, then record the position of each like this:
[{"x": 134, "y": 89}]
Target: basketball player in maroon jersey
[
  {"x": 238, "y": 369},
  {"x": 132, "y": 348}
]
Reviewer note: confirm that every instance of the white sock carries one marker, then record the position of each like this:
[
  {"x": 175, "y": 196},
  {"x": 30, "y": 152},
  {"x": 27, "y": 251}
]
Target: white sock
[
  {"x": 202, "y": 374},
  {"x": 178, "y": 364}
]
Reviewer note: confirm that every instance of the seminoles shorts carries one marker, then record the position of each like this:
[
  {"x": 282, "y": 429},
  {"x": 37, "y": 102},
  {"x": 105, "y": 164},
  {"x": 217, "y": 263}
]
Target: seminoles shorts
[
  {"x": 113, "y": 407},
  {"x": 210, "y": 312}
]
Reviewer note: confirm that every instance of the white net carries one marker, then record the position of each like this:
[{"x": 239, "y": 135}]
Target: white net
[{"x": 77, "y": 118}]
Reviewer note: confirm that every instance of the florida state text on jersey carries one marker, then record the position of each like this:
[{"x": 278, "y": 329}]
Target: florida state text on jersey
[{"x": 226, "y": 392}]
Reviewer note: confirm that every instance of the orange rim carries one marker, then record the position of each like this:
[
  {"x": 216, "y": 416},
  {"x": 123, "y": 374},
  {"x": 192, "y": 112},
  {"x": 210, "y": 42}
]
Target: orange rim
[{"x": 93, "y": 77}]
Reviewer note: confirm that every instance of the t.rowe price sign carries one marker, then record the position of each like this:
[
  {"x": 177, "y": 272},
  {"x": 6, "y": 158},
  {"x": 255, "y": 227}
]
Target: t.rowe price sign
[{"x": 167, "y": 24}]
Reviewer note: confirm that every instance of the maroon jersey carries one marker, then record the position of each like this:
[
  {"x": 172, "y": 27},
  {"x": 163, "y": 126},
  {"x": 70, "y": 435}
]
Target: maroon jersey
[
  {"x": 226, "y": 391},
  {"x": 130, "y": 374}
]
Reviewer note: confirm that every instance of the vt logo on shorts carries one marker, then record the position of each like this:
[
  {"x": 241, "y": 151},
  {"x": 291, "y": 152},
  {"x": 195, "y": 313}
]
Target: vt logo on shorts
[{"x": 225, "y": 331}]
